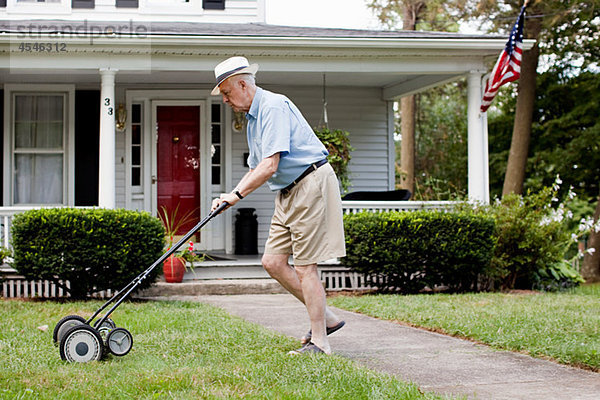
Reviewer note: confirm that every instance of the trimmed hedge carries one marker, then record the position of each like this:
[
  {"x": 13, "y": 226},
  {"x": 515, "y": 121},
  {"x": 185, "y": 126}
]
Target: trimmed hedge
[
  {"x": 409, "y": 251},
  {"x": 94, "y": 249}
]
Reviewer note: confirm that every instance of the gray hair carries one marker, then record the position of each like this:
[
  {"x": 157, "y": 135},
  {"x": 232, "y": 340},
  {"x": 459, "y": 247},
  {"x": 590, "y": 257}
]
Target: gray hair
[{"x": 248, "y": 78}]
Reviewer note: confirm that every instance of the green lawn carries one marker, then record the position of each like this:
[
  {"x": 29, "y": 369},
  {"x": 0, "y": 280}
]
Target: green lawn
[
  {"x": 562, "y": 326},
  {"x": 180, "y": 351}
]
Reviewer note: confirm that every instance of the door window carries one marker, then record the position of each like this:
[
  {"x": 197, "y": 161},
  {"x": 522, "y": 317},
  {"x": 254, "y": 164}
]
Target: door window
[
  {"x": 136, "y": 145},
  {"x": 216, "y": 136}
]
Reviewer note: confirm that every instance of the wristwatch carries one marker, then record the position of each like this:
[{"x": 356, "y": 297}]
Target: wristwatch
[{"x": 238, "y": 194}]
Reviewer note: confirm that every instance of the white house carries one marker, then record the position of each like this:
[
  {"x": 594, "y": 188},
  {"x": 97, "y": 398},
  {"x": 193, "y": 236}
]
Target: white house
[{"x": 106, "y": 102}]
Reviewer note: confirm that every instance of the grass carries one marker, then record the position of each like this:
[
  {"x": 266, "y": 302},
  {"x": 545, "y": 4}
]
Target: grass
[
  {"x": 564, "y": 327},
  {"x": 180, "y": 351}
]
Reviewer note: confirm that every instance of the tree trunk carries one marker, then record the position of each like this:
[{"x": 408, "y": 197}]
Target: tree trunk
[
  {"x": 407, "y": 109},
  {"x": 407, "y": 155},
  {"x": 590, "y": 270},
  {"x": 519, "y": 145}
]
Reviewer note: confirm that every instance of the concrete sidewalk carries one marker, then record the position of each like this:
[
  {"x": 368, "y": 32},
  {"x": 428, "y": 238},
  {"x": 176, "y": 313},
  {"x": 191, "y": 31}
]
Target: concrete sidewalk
[{"x": 434, "y": 362}]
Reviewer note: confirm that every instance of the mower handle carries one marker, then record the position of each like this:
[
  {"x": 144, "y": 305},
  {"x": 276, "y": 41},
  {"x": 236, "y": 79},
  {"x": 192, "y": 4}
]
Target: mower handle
[{"x": 123, "y": 293}]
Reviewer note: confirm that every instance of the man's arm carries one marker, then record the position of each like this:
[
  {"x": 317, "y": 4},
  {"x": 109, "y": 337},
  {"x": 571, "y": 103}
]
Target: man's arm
[{"x": 253, "y": 179}]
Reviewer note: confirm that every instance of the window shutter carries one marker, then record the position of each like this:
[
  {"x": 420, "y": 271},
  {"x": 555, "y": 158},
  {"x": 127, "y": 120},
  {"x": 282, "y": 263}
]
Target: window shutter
[
  {"x": 82, "y": 3},
  {"x": 213, "y": 4},
  {"x": 127, "y": 3}
]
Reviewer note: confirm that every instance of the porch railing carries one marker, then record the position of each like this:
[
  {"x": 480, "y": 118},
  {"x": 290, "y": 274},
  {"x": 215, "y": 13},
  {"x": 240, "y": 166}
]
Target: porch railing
[
  {"x": 6, "y": 215},
  {"x": 355, "y": 206}
]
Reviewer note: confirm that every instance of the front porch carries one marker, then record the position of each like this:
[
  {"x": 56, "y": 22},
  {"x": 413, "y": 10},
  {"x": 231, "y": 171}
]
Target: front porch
[{"x": 225, "y": 274}]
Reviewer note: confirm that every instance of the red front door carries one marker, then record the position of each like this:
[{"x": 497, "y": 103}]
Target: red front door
[{"x": 178, "y": 162}]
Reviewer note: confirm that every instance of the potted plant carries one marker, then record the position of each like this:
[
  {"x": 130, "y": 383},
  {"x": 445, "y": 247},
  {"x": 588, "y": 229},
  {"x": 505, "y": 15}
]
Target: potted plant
[
  {"x": 175, "y": 266},
  {"x": 337, "y": 142}
]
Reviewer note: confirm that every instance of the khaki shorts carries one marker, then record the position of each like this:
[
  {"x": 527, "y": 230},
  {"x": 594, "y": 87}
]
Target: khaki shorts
[{"x": 307, "y": 222}]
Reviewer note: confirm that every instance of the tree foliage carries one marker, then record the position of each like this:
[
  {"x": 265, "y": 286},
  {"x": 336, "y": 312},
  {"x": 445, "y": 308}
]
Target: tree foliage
[
  {"x": 567, "y": 133},
  {"x": 441, "y": 142},
  {"x": 566, "y": 29},
  {"x": 437, "y": 15},
  {"x": 564, "y": 135}
]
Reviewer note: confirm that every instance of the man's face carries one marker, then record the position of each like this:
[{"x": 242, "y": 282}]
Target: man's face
[{"x": 235, "y": 93}]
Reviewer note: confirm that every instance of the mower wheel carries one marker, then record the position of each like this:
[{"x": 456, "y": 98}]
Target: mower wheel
[
  {"x": 81, "y": 343},
  {"x": 119, "y": 341},
  {"x": 64, "y": 325}
]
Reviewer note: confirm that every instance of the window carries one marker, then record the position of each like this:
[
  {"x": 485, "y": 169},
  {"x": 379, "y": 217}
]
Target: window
[
  {"x": 39, "y": 148},
  {"x": 41, "y": 6},
  {"x": 2, "y": 3},
  {"x": 127, "y": 3},
  {"x": 216, "y": 141},
  {"x": 82, "y": 3},
  {"x": 136, "y": 145},
  {"x": 213, "y": 4},
  {"x": 166, "y": 3}
]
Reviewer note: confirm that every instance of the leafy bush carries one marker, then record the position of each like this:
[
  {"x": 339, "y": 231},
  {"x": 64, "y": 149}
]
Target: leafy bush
[
  {"x": 407, "y": 252},
  {"x": 533, "y": 241},
  {"x": 94, "y": 249}
]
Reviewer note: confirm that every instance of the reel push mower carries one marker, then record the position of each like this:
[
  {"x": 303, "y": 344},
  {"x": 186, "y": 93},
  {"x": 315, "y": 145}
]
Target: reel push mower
[{"x": 81, "y": 340}]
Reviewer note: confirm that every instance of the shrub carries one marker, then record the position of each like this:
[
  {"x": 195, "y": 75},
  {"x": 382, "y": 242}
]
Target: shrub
[
  {"x": 407, "y": 252},
  {"x": 94, "y": 249},
  {"x": 533, "y": 241},
  {"x": 525, "y": 245}
]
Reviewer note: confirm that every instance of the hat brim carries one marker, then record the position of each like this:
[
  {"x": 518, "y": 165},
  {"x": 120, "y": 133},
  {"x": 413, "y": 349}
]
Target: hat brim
[{"x": 251, "y": 69}]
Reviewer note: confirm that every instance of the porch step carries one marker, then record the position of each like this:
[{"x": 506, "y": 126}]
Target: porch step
[
  {"x": 241, "y": 267},
  {"x": 213, "y": 287}
]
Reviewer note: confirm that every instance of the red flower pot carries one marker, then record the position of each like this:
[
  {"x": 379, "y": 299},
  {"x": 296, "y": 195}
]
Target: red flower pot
[{"x": 174, "y": 268}]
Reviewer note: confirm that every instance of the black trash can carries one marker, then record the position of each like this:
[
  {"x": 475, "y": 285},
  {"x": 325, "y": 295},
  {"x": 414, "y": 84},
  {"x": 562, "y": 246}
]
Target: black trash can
[{"x": 246, "y": 231}]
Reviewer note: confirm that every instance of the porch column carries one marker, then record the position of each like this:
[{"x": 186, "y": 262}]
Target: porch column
[
  {"x": 106, "y": 182},
  {"x": 477, "y": 142}
]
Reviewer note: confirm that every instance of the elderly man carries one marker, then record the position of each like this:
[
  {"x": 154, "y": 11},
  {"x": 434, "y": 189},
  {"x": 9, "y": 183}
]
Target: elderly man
[{"x": 307, "y": 222}]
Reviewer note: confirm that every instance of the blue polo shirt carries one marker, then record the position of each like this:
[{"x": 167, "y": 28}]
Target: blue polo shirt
[{"x": 275, "y": 125}]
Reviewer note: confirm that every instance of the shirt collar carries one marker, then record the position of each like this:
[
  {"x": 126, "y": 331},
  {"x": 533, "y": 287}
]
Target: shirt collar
[{"x": 253, "y": 112}]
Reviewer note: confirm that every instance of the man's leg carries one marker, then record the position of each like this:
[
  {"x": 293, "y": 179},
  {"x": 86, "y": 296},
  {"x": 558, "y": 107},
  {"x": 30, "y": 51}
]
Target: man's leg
[
  {"x": 314, "y": 299},
  {"x": 279, "y": 269}
]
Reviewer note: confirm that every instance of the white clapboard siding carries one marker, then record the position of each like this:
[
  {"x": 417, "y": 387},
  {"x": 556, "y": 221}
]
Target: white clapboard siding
[
  {"x": 236, "y": 11},
  {"x": 360, "y": 111}
]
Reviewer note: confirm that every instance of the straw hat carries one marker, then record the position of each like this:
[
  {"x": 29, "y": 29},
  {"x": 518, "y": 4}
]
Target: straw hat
[{"x": 232, "y": 66}]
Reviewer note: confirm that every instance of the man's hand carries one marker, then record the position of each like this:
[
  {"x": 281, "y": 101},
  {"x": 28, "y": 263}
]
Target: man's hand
[
  {"x": 230, "y": 198},
  {"x": 250, "y": 182}
]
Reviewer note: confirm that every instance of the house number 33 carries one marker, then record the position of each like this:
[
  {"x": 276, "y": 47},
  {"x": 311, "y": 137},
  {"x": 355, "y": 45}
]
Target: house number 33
[{"x": 107, "y": 104}]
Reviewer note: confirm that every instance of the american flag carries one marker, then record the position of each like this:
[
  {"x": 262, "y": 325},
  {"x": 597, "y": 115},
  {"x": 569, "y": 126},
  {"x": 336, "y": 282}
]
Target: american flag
[{"x": 508, "y": 66}]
